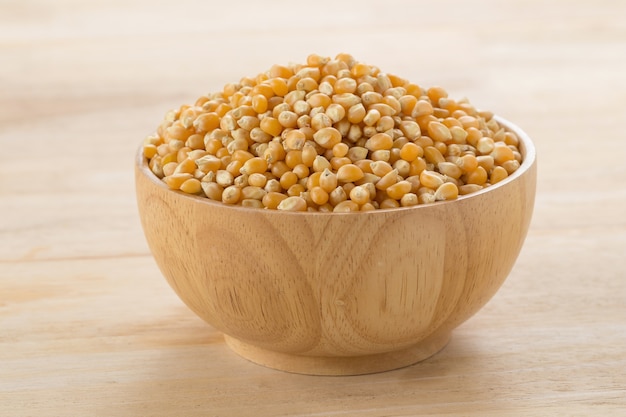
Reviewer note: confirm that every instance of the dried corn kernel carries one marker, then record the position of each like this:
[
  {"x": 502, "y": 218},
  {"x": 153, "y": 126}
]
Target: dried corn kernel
[{"x": 330, "y": 135}]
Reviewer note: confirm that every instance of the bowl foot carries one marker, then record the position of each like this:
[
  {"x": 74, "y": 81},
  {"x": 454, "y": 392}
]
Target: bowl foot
[{"x": 340, "y": 365}]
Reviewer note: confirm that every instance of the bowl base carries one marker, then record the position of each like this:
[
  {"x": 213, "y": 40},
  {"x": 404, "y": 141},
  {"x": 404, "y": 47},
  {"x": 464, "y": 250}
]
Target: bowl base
[{"x": 340, "y": 365}]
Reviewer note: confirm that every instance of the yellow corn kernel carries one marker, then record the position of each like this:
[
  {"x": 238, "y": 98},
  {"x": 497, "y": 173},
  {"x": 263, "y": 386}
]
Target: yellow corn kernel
[
  {"x": 259, "y": 136},
  {"x": 273, "y": 185},
  {"x": 415, "y": 182},
  {"x": 399, "y": 189},
  {"x": 320, "y": 164},
  {"x": 187, "y": 166},
  {"x": 259, "y": 103},
  {"x": 288, "y": 119},
  {"x": 371, "y": 117},
  {"x": 387, "y": 180},
  {"x": 241, "y": 155},
  {"x": 511, "y": 166},
  {"x": 319, "y": 100},
  {"x": 417, "y": 166},
  {"x": 309, "y": 153},
  {"x": 191, "y": 186},
  {"x": 257, "y": 179},
  {"x": 315, "y": 60},
  {"x": 272, "y": 199},
  {"x": 149, "y": 151},
  {"x": 224, "y": 178},
  {"x": 293, "y": 203},
  {"x": 485, "y": 161},
  {"x": 403, "y": 167},
  {"x": 156, "y": 167},
  {"x": 410, "y": 129},
  {"x": 478, "y": 176},
  {"x": 407, "y": 104},
  {"x": 195, "y": 141},
  {"x": 357, "y": 153},
  {"x": 446, "y": 191},
  {"x": 385, "y": 124},
  {"x": 231, "y": 195},
  {"x": 337, "y": 195},
  {"x": 439, "y": 132},
  {"x": 469, "y": 122},
  {"x": 360, "y": 69},
  {"x": 497, "y": 175},
  {"x": 170, "y": 168},
  {"x": 346, "y": 100},
  {"x": 208, "y": 163},
  {"x": 340, "y": 150},
  {"x": 328, "y": 180},
  {"x": 409, "y": 200},
  {"x": 251, "y": 203},
  {"x": 502, "y": 153},
  {"x": 389, "y": 203},
  {"x": 234, "y": 167},
  {"x": 459, "y": 135},
  {"x": 380, "y": 141},
  {"x": 346, "y": 207},
  {"x": 306, "y": 84},
  {"x": 469, "y": 188},
  {"x": 360, "y": 195},
  {"x": 276, "y": 167},
  {"x": 241, "y": 181},
  {"x": 467, "y": 163},
  {"x": 301, "y": 171},
  {"x": 349, "y": 173},
  {"x": 380, "y": 168},
  {"x": 426, "y": 198},
  {"x": 293, "y": 158},
  {"x": 271, "y": 126},
  {"x": 319, "y": 195},
  {"x": 356, "y": 113},
  {"x": 450, "y": 169},
  {"x": 320, "y": 121},
  {"x": 252, "y": 192},
  {"x": 485, "y": 145},
  {"x": 313, "y": 180},
  {"x": 288, "y": 179},
  {"x": 212, "y": 190},
  {"x": 279, "y": 86},
  {"x": 294, "y": 140},
  {"x": 345, "y": 85},
  {"x": 433, "y": 155},
  {"x": 431, "y": 179},
  {"x": 327, "y": 137},
  {"x": 336, "y": 163},
  {"x": 383, "y": 109},
  {"x": 295, "y": 190},
  {"x": 335, "y": 112},
  {"x": 422, "y": 108}
]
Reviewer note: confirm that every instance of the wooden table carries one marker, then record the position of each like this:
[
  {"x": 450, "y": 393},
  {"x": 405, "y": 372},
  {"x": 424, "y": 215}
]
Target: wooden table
[{"x": 88, "y": 326}]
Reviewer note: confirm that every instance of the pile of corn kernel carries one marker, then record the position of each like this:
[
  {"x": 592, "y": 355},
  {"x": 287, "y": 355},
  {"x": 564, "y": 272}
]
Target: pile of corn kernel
[{"x": 331, "y": 135}]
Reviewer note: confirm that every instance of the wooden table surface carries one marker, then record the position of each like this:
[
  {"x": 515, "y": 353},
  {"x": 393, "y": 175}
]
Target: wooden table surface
[{"x": 89, "y": 327}]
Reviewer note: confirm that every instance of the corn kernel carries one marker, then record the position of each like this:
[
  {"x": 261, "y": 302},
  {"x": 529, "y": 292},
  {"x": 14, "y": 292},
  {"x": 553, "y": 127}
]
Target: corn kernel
[{"x": 335, "y": 134}]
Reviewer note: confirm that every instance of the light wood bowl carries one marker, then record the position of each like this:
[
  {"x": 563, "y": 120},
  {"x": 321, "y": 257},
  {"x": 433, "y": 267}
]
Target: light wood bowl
[{"x": 338, "y": 294}]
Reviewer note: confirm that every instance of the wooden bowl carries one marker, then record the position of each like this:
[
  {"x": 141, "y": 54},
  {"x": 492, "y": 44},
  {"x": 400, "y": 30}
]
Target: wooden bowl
[{"x": 338, "y": 294}]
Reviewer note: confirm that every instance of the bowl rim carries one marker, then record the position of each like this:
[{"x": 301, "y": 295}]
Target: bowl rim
[{"x": 529, "y": 158}]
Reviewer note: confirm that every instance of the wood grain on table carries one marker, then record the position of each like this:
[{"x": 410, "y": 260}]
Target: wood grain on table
[{"x": 89, "y": 327}]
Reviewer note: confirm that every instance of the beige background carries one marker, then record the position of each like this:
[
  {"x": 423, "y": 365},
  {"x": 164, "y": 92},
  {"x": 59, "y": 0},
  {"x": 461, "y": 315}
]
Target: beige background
[{"x": 88, "y": 325}]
